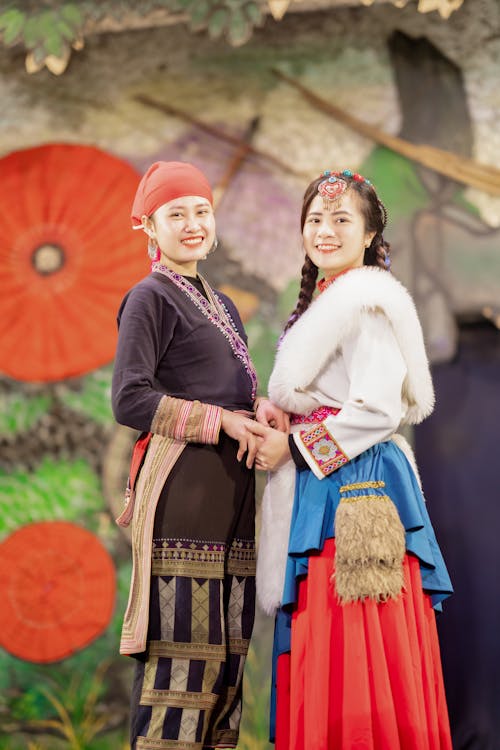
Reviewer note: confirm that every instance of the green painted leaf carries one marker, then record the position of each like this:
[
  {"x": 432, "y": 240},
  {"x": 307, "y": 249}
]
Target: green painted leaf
[
  {"x": 10, "y": 16},
  {"x": 240, "y": 29},
  {"x": 13, "y": 28},
  {"x": 32, "y": 32},
  {"x": 217, "y": 23},
  {"x": 55, "y": 44},
  {"x": 52, "y": 39},
  {"x": 66, "y": 31},
  {"x": 72, "y": 14}
]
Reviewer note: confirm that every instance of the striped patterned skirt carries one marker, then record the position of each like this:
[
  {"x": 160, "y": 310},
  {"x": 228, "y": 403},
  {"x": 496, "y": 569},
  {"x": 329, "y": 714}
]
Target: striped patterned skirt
[{"x": 187, "y": 689}]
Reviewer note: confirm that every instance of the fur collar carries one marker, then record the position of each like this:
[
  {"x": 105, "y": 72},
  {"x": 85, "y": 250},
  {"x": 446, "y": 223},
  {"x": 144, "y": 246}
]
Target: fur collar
[{"x": 336, "y": 315}]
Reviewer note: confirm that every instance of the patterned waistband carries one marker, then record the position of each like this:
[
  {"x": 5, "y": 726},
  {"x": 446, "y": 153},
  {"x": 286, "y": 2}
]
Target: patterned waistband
[{"x": 318, "y": 415}]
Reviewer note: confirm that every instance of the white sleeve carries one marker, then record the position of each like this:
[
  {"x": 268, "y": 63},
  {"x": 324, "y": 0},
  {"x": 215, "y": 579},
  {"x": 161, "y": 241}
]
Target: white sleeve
[{"x": 373, "y": 409}]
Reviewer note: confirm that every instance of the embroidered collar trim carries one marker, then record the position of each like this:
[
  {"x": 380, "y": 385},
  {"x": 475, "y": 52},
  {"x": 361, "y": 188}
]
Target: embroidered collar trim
[{"x": 217, "y": 313}]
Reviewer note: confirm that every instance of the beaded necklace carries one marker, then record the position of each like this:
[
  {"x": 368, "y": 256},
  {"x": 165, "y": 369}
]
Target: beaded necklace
[{"x": 214, "y": 309}]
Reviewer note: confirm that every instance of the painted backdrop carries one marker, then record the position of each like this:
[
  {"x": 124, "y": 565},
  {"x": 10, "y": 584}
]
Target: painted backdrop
[{"x": 72, "y": 150}]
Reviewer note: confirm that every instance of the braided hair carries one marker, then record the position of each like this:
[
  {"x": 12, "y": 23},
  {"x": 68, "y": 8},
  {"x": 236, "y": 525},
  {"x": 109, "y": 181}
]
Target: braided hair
[{"x": 376, "y": 254}]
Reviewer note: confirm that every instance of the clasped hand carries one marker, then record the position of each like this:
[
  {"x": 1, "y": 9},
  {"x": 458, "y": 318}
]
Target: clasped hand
[{"x": 265, "y": 441}]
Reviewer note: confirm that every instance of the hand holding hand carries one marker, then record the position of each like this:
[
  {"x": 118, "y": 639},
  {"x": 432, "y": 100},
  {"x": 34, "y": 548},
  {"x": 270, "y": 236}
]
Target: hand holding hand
[
  {"x": 243, "y": 430},
  {"x": 271, "y": 415},
  {"x": 273, "y": 451}
]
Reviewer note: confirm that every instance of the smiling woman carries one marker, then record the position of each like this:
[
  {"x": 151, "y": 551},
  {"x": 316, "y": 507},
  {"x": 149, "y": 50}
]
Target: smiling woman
[
  {"x": 347, "y": 554},
  {"x": 184, "y": 378},
  {"x": 180, "y": 226},
  {"x": 184, "y": 230}
]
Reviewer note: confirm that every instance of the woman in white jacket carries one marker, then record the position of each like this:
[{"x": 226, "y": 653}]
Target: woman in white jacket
[{"x": 348, "y": 559}]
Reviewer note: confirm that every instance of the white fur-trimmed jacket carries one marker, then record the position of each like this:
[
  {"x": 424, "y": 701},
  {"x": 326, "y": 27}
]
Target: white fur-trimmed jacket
[{"x": 359, "y": 348}]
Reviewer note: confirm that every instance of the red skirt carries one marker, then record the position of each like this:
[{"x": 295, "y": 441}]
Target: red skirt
[{"x": 361, "y": 676}]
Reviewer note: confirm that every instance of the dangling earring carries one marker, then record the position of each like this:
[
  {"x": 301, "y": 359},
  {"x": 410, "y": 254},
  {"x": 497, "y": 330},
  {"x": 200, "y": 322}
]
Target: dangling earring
[
  {"x": 153, "y": 250},
  {"x": 214, "y": 246},
  {"x": 212, "y": 249}
]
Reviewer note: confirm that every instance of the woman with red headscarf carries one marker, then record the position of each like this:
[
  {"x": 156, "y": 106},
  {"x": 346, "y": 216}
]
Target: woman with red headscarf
[{"x": 184, "y": 378}]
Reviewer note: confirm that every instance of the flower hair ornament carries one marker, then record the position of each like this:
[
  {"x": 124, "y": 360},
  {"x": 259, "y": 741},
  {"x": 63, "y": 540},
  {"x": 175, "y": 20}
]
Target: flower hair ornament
[
  {"x": 331, "y": 190},
  {"x": 334, "y": 186}
]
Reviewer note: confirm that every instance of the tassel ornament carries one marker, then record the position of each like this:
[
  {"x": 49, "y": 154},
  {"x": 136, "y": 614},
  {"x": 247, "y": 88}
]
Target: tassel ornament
[{"x": 370, "y": 547}]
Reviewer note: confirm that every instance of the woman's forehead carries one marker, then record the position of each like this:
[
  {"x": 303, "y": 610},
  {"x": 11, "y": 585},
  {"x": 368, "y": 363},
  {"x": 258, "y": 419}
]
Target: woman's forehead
[
  {"x": 349, "y": 201},
  {"x": 185, "y": 201}
]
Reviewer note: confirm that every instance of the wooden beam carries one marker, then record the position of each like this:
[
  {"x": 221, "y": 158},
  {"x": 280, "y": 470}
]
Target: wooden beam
[{"x": 458, "y": 168}]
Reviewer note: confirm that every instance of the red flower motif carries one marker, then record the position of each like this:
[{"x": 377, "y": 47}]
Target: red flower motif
[
  {"x": 331, "y": 190},
  {"x": 67, "y": 256},
  {"x": 57, "y": 587}
]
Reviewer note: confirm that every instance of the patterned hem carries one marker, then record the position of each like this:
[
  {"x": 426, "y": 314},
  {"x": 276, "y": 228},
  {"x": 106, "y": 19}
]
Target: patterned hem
[
  {"x": 190, "y": 689},
  {"x": 223, "y": 738},
  {"x": 204, "y": 559},
  {"x": 146, "y": 743}
]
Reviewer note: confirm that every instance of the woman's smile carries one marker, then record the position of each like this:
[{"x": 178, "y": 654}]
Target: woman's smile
[
  {"x": 193, "y": 241},
  {"x": 184, "y": 229},
  {"x": 335, "y": 236},
  {"x": 327, "y": 247}
]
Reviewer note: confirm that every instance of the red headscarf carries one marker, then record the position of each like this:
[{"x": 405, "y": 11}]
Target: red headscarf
[{"x": 164, "y": 181}]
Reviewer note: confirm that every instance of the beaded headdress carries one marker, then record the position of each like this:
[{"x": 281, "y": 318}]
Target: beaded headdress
[{"x": 334, "y": 186}]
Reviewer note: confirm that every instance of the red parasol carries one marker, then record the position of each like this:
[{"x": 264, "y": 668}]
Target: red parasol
[
  {"x": 57, "y": 588},
  {"x": 67, "y": 256}
]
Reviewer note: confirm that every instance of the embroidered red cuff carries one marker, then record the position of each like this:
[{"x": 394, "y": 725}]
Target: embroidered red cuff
[{"x": 326, "y": 454}]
